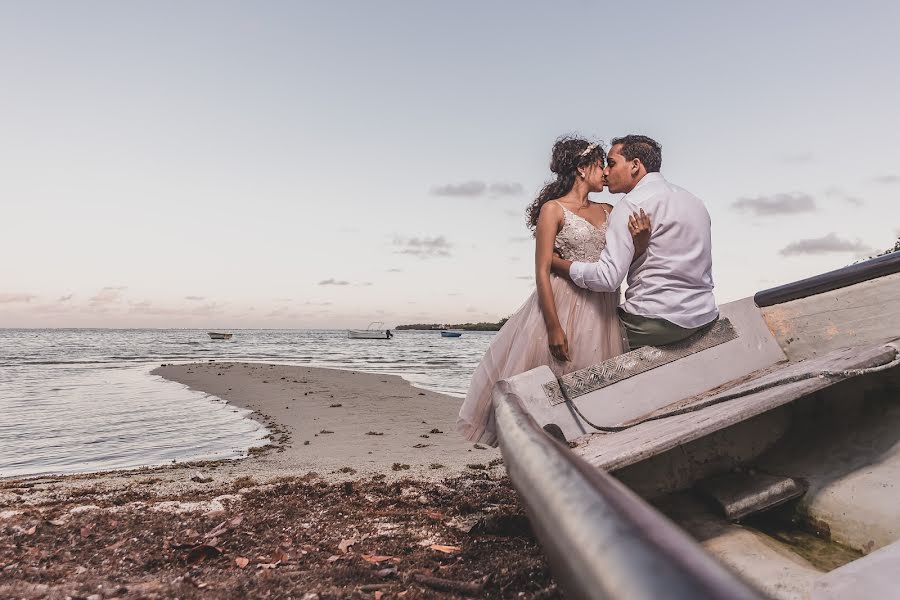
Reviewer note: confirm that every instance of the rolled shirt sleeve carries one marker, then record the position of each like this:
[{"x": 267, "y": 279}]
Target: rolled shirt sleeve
[{"x": 608, "y": 273}]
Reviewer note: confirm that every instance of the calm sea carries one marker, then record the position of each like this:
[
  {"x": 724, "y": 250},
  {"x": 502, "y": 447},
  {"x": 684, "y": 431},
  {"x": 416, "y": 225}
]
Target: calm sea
[{"x": 78, "y": 400}]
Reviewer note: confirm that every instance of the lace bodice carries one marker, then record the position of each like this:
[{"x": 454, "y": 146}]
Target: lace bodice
[{"x": 579, "y": 239}]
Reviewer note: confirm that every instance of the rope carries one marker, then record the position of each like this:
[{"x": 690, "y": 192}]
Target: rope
[{"x": 846, "y": 374}]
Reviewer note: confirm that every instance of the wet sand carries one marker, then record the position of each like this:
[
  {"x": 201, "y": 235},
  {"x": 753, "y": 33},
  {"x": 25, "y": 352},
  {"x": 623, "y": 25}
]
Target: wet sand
[
  {"x": 329, "y": 420},
  {"x": 334, "y": 424},
  {"x": 385, "y": 506}
]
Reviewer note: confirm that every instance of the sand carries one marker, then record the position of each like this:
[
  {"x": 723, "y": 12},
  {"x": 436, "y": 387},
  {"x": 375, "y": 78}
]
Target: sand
[
  {"x": 336, "y": 420},
  {"x": 297, "y": 404},
  {"x": 423, "y": 510}
]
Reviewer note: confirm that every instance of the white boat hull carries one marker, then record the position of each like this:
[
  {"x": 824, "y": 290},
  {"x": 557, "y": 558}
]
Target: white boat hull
[{"x": 365, "y": 334}]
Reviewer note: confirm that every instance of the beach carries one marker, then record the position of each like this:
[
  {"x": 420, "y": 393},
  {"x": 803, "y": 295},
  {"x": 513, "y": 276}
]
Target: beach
[
  {"x": 364, "y": 490},
  {"x": 331, "y": 420}
]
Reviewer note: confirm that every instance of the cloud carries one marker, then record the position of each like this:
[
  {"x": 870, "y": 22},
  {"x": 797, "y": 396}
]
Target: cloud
[
  {"x": 395, "y": 270},
  {"x": 364, "y": 283},
  {"x": 144, "y": 306},
  {"x": 424, "y": 247},
  {"x": 528, "y": 277},
  {"x": 887, "y": 179},
  {"x": 835, "y": 192},
  {"x": 285, "y": 312},
  {"x": 776, "y": 204},
  {"x": 195, "y": 298},
  {"x": 506, "y": 189},
  {"x": 16, "y": 298},
  {"x": 824, "y": 245},
  {"x": 521, "y": 239},
  {"x": 107, "y": 295},
  {"x": 65, "y": 298},
  {"x": 147, "y": 308},
  {"x": 475, "y": 188},
  {"x": 317, "y": 303},
  {"x": 333, "y": 281},
  {"x": 466, "y": 189}
]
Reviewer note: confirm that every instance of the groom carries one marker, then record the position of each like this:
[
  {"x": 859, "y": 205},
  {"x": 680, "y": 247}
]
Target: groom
[{"x": 669, "y": 295}]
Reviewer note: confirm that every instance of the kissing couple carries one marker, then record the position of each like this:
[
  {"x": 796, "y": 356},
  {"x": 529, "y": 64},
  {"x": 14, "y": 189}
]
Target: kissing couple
[{"x": 657, "y": 238}]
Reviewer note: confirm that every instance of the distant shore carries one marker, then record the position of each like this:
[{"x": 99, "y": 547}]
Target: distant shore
[{"x": 458, "y": 326}]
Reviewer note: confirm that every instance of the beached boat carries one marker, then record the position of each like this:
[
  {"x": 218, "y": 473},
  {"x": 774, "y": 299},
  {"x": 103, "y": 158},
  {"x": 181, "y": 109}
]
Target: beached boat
[
  {"x": 771, "y": 439},
  {"x": 375, "y": 331},
  {"x": 451, "y": 334},
  {"x": 216, "y": 335}
]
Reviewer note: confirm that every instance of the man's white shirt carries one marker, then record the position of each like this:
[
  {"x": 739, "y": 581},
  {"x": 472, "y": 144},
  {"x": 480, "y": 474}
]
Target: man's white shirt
[{"x": 673, "y": 279}]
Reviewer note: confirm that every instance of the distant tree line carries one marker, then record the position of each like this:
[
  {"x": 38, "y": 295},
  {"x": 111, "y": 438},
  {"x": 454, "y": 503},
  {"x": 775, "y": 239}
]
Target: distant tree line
[{"x": 461, "y": 326}]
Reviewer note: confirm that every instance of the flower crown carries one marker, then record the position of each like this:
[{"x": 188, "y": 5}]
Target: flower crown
[{"x": 588, "y": 150}]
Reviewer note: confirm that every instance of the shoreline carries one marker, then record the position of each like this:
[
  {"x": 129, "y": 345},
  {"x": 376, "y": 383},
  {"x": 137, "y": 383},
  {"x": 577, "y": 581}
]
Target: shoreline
[
  {"x": 336, "y": 424},
  {"x": 359, "y": 512},
  {"x": 328, "y": 420}
]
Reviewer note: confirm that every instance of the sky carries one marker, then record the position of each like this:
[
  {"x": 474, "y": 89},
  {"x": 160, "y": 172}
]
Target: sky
[{"x": 326, "y": 164}]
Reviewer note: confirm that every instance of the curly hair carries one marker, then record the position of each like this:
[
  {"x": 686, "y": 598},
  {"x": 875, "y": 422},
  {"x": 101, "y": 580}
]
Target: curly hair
[{"x": 567, "y": 156}]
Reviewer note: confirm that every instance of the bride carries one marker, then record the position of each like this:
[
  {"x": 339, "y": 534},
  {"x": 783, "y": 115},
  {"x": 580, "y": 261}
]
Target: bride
[{"x": 560, "y": 325}]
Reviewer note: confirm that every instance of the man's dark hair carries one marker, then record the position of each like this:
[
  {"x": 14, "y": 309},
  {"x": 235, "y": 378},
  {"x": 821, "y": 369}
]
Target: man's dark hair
[{"x": 645, "y": 149}]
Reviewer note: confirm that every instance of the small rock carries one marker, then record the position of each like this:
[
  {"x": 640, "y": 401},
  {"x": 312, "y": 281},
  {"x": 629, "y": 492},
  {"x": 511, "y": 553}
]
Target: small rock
[{"x": 200, "y": 478}]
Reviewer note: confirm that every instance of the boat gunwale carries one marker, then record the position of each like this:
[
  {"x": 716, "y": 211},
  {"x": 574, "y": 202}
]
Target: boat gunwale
[
  {"x": 874, "y": 268},
  {"x": 578, "y": 510}
]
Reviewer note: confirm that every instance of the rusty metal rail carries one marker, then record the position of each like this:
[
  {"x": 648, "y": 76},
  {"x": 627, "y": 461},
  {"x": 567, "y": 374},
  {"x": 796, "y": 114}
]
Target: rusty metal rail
[{"x": 602, "y": 540}]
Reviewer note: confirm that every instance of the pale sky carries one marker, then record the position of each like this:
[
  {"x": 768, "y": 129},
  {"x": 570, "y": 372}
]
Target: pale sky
[{"x": 300, "y": 164}]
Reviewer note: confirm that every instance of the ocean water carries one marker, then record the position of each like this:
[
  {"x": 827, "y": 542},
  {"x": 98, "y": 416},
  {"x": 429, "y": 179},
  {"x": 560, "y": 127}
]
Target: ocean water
[{"x": 80, "y": 400}]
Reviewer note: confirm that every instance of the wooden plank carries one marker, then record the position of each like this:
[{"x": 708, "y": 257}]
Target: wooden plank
[
  {"x": 617, "y": 450},
  {"x": 865, "y": 313},
  {"x": 754, "y": 348}
]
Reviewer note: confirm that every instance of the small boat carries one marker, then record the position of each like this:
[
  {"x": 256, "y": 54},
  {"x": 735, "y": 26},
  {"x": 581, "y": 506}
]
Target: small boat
[
  {"x": 451, "y": 334},
  {"x": 375, "y": 331},
  {"x": 768, "y": 439},
  {"x": 215, "y": 335}
]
